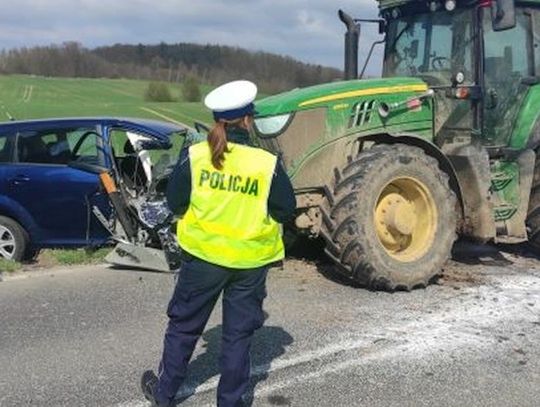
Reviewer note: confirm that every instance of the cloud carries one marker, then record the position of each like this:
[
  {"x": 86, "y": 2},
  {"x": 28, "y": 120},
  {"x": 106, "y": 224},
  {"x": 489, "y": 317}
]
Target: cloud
[{"x": 308, "y": 30}]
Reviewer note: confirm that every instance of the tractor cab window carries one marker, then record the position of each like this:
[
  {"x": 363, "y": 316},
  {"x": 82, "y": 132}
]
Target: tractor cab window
[
  {"x": 431, "y": 46},
  {"x": 507, "y": 60}
]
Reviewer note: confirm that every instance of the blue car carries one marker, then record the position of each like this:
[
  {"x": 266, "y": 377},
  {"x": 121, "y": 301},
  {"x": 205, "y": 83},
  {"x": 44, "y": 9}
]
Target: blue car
[{"x": 81, "y": 182}]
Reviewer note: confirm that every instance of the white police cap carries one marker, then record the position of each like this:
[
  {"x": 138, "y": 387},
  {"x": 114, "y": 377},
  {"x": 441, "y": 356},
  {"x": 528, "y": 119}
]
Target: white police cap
[{"x": 232, "y": 100}]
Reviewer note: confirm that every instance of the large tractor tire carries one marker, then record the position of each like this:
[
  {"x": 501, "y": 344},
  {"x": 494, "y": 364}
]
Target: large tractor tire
[
  {"x": 390, "y": 221},
  {"x": 533, "y": 215}
]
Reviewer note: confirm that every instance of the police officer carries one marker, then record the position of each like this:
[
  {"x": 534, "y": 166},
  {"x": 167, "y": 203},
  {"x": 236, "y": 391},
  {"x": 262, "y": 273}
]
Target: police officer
[{"x": 232, "y": 197}]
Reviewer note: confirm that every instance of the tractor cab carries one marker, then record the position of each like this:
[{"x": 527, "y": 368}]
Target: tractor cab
[{"x": 478, "y": 57}]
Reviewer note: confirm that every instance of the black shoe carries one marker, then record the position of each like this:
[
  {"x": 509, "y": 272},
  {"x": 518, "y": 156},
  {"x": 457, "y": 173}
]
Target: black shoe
[{"x": 148, "y": 386}]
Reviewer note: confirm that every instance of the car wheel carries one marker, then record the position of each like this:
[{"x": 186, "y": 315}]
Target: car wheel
[{"x": 13, "y": 240}]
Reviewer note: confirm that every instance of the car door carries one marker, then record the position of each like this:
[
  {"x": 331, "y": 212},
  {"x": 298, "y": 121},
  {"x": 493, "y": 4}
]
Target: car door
[
  {"x": 58, "y": 197},
  {"x": 7, "y": 143}
]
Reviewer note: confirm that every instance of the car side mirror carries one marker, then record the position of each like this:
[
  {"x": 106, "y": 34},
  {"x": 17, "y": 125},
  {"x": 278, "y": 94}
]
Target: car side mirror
[
  {"x": 154, "y": 145},
  {"x": 201, "y": 128},
  {"x": 503, "y": 15}
]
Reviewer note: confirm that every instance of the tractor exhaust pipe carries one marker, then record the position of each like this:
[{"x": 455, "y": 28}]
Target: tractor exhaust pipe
[{"x": 352, "y": 37}]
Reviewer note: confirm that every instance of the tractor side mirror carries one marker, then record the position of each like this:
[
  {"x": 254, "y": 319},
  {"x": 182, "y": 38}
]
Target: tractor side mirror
[
  {"x": 413, "y": 50},
  {"x": 492, "y": 99},
  {"x": 503, "y": 15},
  {"x": 382, "y": 26}
]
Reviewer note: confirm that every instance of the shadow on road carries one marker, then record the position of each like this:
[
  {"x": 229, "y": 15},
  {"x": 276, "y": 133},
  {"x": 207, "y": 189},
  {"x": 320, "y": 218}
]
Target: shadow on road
[
  {"x": 473, "y": 254},
  {"x": 489, "y": 254},
  {"x": 269, "y": 342}
]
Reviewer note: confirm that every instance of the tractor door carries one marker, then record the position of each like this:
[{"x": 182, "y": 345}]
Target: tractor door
[
  {"x": 454, "y": 115},
  {"x": 439, "y": 48},
  {"x": 507, "y": 62},
  {"x": 508, "y": 65}
]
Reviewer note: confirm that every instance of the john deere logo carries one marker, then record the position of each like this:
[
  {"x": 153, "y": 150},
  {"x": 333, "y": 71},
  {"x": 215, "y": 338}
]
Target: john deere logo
[{"x": 229, "y": 182}]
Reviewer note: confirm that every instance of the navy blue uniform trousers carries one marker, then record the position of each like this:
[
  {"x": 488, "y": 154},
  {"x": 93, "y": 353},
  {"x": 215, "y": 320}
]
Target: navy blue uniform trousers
[{"x": 197, "y": 290}]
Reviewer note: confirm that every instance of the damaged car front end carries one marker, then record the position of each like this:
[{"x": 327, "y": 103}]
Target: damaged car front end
[
  {"x": 89, "y": 182},
  {"x": 136, "y": 184}
]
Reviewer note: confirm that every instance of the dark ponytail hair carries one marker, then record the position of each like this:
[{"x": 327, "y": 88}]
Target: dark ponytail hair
[{"x": 217, "y": 140}]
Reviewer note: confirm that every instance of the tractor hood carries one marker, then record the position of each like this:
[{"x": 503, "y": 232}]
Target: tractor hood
[{"x": 331, "y": 93}]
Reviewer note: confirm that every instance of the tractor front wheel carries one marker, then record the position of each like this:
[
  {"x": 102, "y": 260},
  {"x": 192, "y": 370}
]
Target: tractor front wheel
[{"x": 390, "y": 221}]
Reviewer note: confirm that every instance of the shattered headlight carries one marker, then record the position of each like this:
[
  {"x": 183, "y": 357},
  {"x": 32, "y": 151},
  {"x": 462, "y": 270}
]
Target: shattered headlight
[{"x": 155, "y": 214}]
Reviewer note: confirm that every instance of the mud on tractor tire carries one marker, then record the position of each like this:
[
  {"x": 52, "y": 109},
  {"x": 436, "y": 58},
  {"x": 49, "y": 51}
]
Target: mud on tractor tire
[{"x": 390, "y": 220}]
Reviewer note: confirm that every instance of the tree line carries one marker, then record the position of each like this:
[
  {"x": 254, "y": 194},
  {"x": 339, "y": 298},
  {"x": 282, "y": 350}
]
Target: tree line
[{"x": 212, "y": 64}]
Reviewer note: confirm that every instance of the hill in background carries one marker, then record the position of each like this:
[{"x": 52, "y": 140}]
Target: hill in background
[{"x": 211, "y": 64}]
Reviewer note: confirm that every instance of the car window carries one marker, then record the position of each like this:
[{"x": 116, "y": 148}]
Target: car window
[
  {"x": 84, "y": 145},
  {"x": 59, "y": 146},
  {"x": 6, "y": 145}
]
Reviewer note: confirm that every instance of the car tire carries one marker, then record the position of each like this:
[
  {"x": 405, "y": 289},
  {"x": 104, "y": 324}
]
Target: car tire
[
  {"x": 390, "y": 220},
  {"x": 13, "y": 240},
  {"x": 31, "y": 254}
]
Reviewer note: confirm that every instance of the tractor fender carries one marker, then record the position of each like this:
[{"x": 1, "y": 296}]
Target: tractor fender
[
  {"x": 431, "y": 150},
  {"x": 534, "y": 138}
]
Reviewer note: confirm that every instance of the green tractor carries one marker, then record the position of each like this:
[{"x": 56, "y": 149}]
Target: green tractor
[{"x": 390, "y": 171}]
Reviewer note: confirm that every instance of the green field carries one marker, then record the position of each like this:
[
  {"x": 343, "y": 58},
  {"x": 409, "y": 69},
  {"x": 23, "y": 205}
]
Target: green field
[{"x": 30, "y": 97}]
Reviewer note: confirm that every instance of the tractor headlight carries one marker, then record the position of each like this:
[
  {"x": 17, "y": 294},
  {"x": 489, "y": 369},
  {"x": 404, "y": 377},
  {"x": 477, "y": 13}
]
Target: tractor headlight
[{"x": 273, "y": 125}]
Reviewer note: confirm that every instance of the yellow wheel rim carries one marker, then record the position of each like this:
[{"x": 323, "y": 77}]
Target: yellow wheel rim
[{"x": 405, "y": 219}]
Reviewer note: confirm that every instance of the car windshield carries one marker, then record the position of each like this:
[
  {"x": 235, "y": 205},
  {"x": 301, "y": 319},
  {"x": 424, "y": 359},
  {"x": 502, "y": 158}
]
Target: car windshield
[
  {"x": 162, "y": 159},
  {"x": 433, "y": 46}
]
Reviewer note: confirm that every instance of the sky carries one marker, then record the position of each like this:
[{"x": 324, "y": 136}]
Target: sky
[{"x": 308, "y": 30}]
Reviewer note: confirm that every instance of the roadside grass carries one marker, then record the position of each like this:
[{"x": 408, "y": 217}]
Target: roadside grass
[
  {"x": 9, "y": 266},
  {"x": 70, "y": 257},
  {"x": 57, "y": 257}
]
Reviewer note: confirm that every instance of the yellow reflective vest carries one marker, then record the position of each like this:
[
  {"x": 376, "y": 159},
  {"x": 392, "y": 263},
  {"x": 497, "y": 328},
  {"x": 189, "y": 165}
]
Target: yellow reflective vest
[{"x": 227, "y": 221}]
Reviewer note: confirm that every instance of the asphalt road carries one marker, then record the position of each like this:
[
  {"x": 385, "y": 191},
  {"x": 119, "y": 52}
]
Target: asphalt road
[{"x": 82, "y": 337}]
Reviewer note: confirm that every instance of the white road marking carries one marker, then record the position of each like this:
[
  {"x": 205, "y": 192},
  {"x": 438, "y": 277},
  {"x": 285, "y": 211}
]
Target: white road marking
[
  {"x": 454, "y": 329},
  {"x": 276, "y": 365},
  {"x": 193, "y": 119},
  {"x": 146, "y": 109},
  {"x": 27, "y": 94}
]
